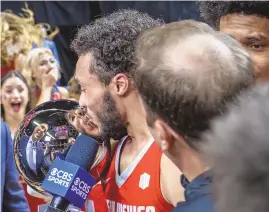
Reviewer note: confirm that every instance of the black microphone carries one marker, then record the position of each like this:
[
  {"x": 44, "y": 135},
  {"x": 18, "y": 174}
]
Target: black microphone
[{"x": 70, "y": 175}]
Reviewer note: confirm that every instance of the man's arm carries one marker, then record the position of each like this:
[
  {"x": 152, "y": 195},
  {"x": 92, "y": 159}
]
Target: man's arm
[
  {"x": 171, "y": 187},
  {"x": 13, "y": 195}
]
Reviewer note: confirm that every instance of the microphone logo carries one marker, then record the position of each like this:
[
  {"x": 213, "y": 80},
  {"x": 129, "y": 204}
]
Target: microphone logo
[
  {"x": 77, "y": 180},
  {"x": 54, "y": 171}
]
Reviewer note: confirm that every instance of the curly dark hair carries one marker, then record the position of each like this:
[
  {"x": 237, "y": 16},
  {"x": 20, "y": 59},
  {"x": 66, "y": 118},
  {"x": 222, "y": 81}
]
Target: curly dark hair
[
  {"x": 212, "y": 11},
  {"x": 111, "y": 41}
]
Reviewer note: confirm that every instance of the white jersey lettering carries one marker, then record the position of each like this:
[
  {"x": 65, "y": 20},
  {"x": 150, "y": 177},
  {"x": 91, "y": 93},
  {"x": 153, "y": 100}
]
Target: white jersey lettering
[{"x": 119, "y": 207}]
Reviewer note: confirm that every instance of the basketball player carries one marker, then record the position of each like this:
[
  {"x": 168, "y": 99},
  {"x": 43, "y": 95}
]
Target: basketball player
[
  {"x": 186, "y": 76},
  {"x": 247, "y": 22},
  {"x": 140, "y": 177}
]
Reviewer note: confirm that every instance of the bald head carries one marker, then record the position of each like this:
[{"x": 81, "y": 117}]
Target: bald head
[
  {"x": 198, "y": 52},
  {"x": 211, "y": 61},
  {"x": 187, "y": 74}
]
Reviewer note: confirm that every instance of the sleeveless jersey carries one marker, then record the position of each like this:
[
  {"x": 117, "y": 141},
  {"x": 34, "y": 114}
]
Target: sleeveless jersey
[
  {"x": 137, "y": 188},
  {"x": 96, "y": 200}
]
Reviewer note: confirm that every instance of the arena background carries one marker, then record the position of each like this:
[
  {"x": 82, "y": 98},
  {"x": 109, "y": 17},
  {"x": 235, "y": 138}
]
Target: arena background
[{"x": 68, "y": 16}]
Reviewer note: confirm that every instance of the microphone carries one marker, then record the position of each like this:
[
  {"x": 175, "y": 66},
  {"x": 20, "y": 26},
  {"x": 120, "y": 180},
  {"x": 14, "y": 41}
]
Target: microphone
[{"x": 68, "y": 180}]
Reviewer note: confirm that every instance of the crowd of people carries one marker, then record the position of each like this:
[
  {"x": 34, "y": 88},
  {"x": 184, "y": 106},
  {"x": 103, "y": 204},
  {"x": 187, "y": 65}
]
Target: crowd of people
[
  {"x": 30, "y": 73},
  {"x": 186, "y": 103}
]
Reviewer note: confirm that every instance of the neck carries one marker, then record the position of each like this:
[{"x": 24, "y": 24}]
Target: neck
[
  {"x": 187, "y": 160},
  {"x": 13, "y": 122},
  {"x": 136, "y": 122}
]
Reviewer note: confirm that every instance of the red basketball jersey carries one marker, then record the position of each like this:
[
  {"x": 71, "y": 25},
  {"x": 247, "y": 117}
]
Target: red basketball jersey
[
  {"x": 96, "y": 201},
  {"x": 137, "y": 189}
]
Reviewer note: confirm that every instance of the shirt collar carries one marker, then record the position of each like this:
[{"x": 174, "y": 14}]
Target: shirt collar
[{"x": 198, "y": 186}]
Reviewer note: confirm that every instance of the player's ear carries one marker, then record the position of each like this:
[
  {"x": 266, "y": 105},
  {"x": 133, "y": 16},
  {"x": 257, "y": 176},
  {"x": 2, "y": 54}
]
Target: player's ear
[
  {"x": 120, "y": 84},
  {"x": 166, "y": 135}
]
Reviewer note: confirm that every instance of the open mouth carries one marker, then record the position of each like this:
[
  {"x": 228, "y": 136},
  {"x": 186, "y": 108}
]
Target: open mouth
[{"x": 16, "y": 107}]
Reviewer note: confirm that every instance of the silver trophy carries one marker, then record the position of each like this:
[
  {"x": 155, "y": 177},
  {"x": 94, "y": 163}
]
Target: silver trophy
[{"x": 45, "y": 133}]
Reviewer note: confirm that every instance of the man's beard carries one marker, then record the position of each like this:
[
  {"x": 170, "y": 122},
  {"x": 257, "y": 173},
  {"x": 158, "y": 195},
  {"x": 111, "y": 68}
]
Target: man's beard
[{"x": 110, "y": 119}]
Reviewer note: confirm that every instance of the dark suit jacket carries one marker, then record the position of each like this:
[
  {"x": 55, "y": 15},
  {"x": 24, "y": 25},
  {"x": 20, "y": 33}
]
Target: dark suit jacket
[
  {"x": 12, "y": 193},
  {"x": 198, "y": 194}
]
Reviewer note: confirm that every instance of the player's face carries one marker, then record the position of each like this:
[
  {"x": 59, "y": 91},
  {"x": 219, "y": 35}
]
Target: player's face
[
  {"x": 102, "y": 113},
  {"x": 253, "y": 33}
]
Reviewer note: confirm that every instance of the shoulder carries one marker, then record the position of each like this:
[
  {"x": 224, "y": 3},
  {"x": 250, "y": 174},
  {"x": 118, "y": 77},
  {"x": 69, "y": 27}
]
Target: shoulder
[
  {"x": 199, "y": 196},
  {"x": 171, "y": 188}
]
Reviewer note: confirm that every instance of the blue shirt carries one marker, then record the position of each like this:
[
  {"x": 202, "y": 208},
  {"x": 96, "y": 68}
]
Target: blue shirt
[
  {"x": 198, "y": 194},
  {"x": 12, "y": 193}
]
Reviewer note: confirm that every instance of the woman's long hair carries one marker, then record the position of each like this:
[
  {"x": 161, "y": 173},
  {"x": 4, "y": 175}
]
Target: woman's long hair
[{"x": 20, "y": 76}]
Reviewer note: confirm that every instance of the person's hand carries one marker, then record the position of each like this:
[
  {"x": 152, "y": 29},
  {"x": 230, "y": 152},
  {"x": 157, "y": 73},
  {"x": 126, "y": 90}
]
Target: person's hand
[
  {"x": 47, "y": 199},
  {"x": 50, "y": 78},
  {"x": 83, "y": 122}
]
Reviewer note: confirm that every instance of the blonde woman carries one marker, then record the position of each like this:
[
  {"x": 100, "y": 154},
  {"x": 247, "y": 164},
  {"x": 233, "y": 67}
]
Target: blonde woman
[{"x": 42, "y": 72}]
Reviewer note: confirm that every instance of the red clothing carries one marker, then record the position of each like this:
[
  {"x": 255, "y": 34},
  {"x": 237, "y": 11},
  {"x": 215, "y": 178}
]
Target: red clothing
[
  {"x": 6, "y": 69},
  {"x": 33, "y": 202},
  {"x": 97, "y": 193},
  {"x": 96, "y": 201},
  {"x": 137, "y": 189}
]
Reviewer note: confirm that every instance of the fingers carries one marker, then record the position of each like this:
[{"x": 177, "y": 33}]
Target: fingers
[
  {"x": 47, "y": 199},
  {"x": 55, "y": 74},
  {"x": 87, "y": 125},
  {"x": 82, "y": 122},
  {"x": 51, "y": 74}
]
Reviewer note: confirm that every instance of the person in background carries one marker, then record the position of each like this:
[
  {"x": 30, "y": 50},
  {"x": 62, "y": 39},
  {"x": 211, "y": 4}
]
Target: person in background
[
  {"x": 12, "y": 194},
  {"x": 20, "y": 34},
  {"x": 248, "y": 23},
  {"x": 15, "y": 99},
  {"x": 239, "y": 150},
  {"x": 186, "y": 75},
  {"x": 49, "y": 43},
  {"x": 15, "y": 103},
  {"x": 42, "y": 72}
]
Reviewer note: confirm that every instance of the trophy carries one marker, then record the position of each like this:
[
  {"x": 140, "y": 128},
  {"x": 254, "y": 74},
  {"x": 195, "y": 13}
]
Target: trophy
[{"x": 45, "y": 133}]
